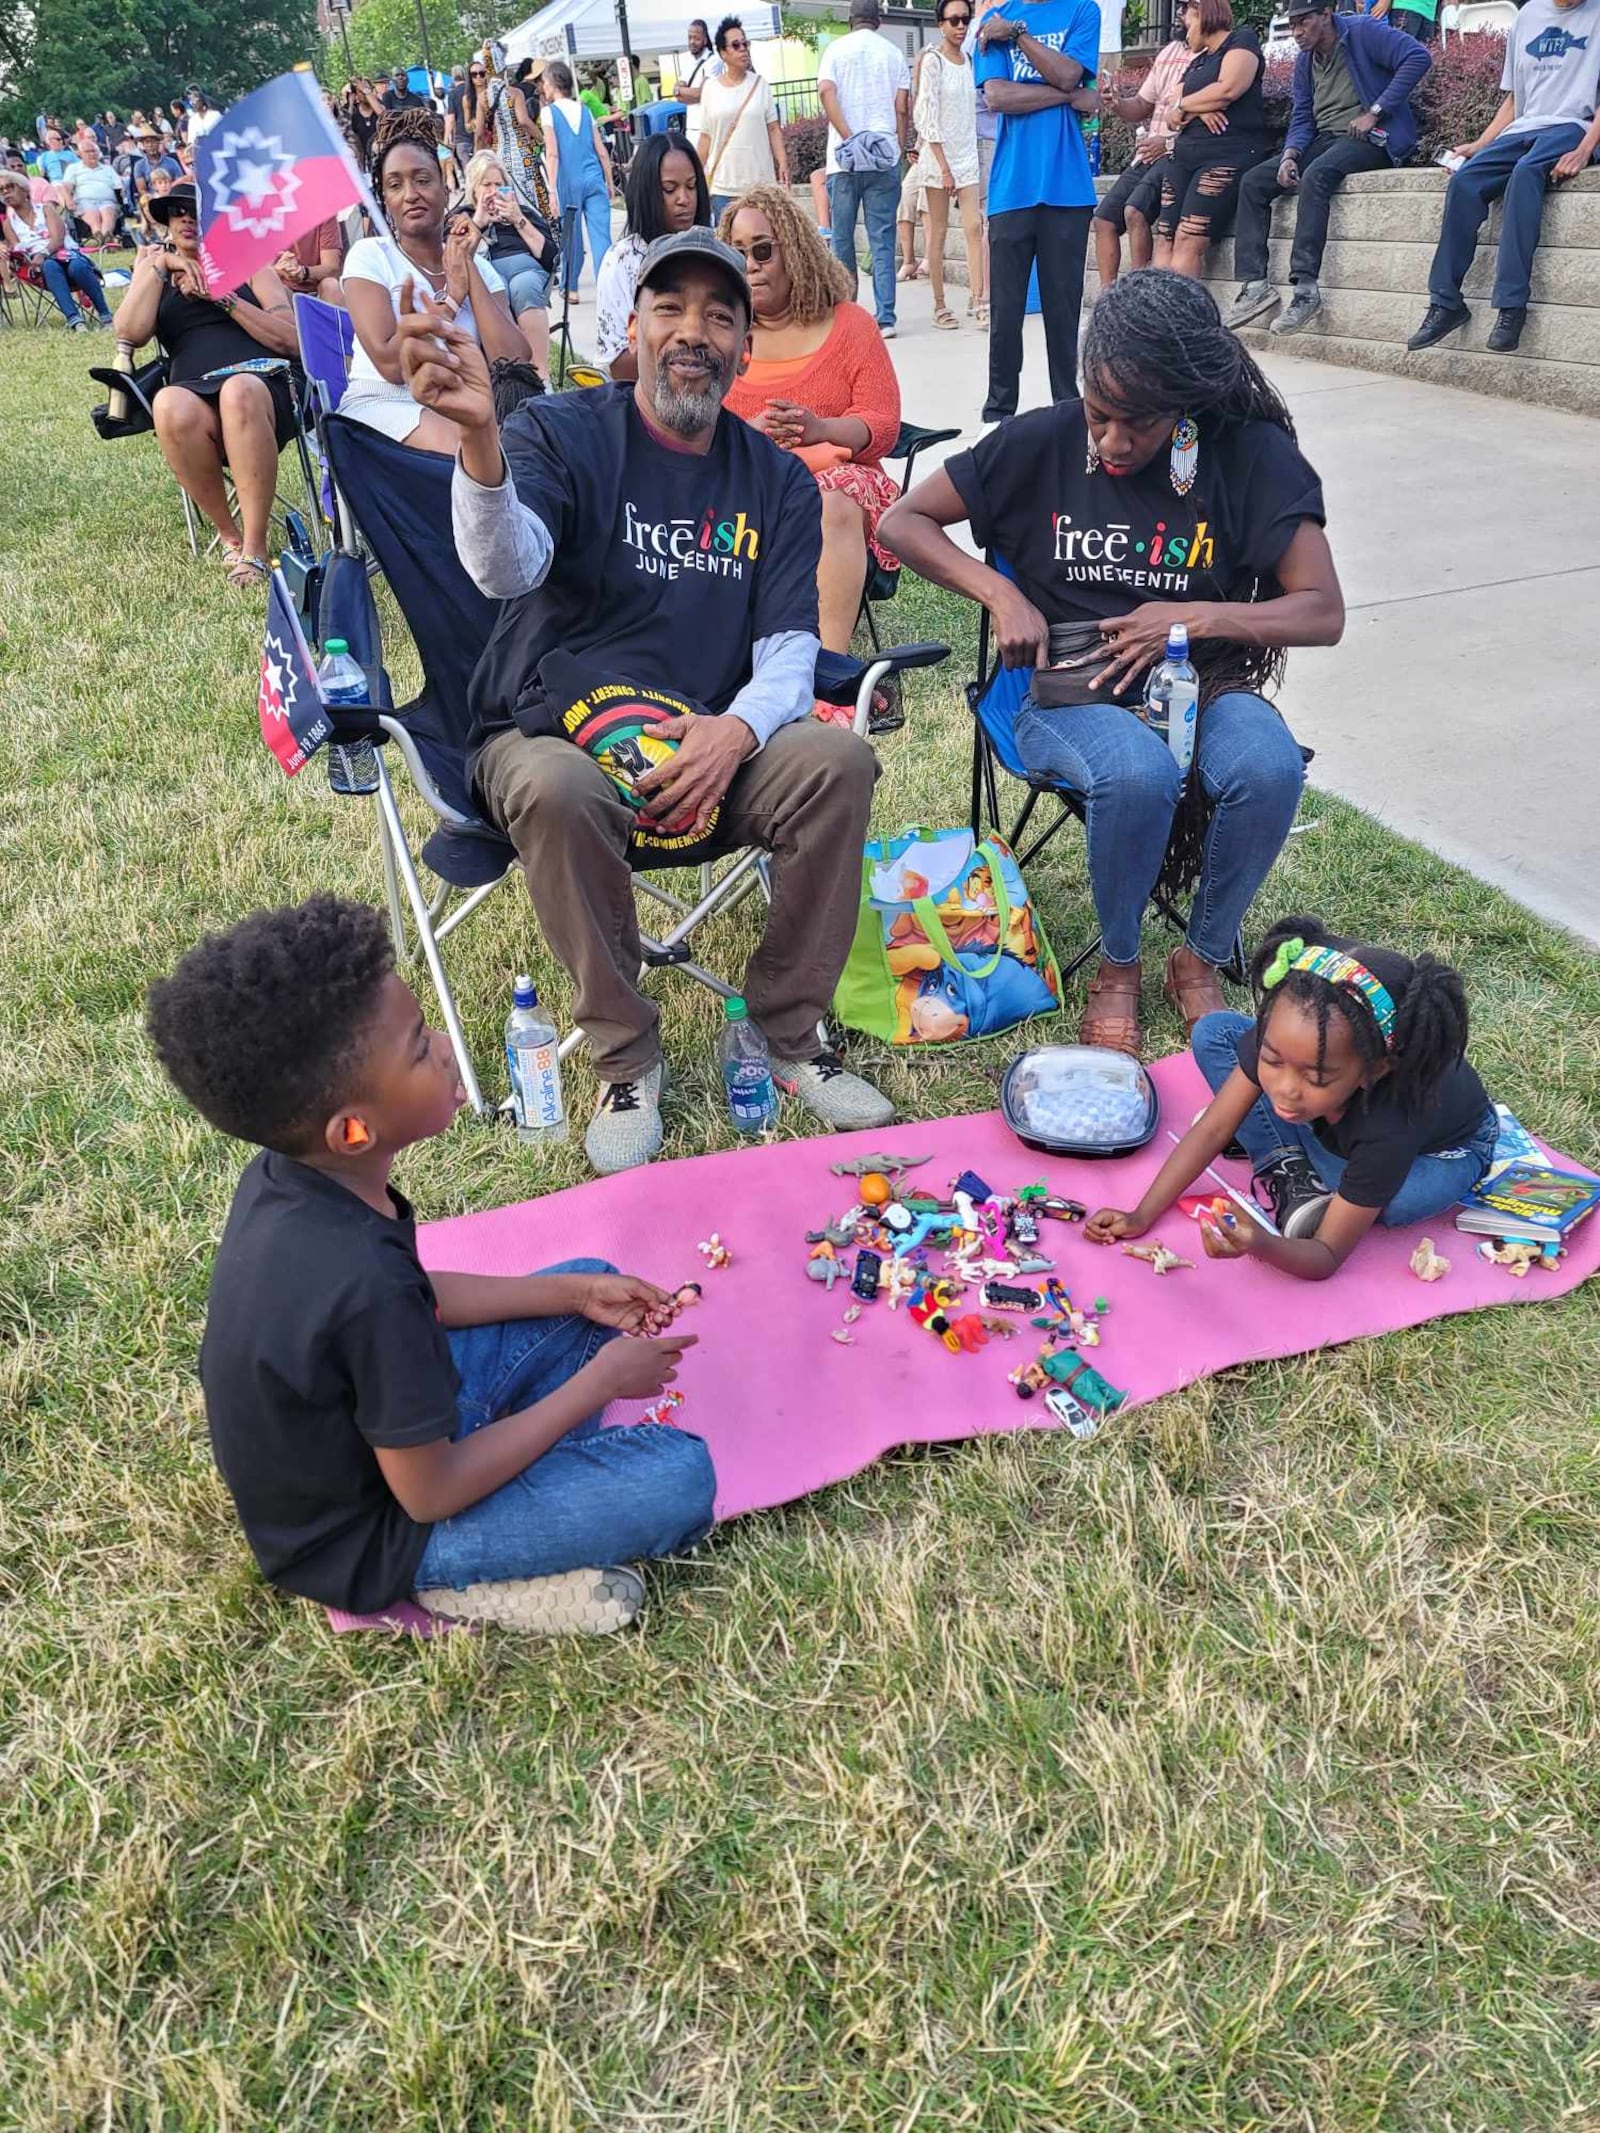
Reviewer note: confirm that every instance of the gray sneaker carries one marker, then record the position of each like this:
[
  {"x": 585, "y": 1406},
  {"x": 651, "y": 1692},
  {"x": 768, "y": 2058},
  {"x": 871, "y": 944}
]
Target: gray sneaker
[
  {"x": 626, "y": 1128},
  {"x": 1300, "y": 310},
  {"x": 1254, "y": 298},
  {"x": 840, "y": 1099},
  {"x": 573, "y": 1603}
]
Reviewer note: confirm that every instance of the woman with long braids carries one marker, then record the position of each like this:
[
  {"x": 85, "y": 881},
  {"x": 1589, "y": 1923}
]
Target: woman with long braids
[
  {"x": 1172, "y": 492},
  {"x": 410, "y": 184}
]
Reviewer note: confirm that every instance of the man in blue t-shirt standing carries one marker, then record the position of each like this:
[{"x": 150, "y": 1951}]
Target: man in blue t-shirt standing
[{"x": 1034, "y": 58}]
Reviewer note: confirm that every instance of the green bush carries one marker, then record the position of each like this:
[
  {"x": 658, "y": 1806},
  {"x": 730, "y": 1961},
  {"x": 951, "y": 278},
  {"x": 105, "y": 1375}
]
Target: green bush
[{"x": 807, "y": 141}]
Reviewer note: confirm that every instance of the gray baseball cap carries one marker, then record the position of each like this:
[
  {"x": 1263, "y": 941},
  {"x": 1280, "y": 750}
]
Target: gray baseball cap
[{"x": 700, "y": 244}]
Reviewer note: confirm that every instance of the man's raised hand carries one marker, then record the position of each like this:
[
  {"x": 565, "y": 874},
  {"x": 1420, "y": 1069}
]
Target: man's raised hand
[{"x": 441, "y": 364}]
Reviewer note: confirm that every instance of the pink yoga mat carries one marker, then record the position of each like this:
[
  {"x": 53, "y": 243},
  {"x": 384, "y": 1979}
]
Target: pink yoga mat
[{"x": 786, "y": 1410}]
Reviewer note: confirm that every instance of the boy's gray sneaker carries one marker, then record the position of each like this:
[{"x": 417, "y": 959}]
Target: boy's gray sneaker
[
  {"x": 1254, "y": 298},
  {"x": 824, "y": 1088},
  {"x": 573, "y": 1603},
  {"x": 626, "y": 1128},
  {"x": 1300, "y": 310}
]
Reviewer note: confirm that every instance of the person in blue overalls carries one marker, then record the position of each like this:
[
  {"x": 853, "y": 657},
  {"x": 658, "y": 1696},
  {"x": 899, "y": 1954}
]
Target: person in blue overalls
[{"x": 580, "y": 170}]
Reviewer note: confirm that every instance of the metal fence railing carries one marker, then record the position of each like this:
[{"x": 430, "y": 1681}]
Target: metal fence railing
[{"x": 796, "y": 100}]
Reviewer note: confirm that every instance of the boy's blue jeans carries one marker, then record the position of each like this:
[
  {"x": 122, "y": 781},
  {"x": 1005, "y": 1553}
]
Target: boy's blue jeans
[
  {"x": 598, "y": 1496},
  {"x": 1250, "y": 765},
  {"x": 1433, "y": 1184},
  {"x": 1518, "y": 165}
]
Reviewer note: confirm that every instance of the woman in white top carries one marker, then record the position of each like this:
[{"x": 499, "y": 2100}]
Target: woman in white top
[
  {"x": 947, "y": 120},
  {"x": 411, "y": 191},
  {"x": 740, "y": 140}
]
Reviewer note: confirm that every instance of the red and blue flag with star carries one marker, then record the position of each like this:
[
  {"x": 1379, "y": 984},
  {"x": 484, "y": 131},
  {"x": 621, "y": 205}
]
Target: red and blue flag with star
[
  {"x": 272, "y": 168},
  {"x": 294, "y": 723}
]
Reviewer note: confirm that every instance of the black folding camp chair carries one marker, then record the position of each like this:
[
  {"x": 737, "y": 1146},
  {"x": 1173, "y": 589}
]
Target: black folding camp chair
[
  {"x": 399, "y": 501},
  {"x": 883, "y": 583}
]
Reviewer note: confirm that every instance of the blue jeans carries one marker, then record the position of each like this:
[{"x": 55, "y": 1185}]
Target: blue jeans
[
  {"x": 1251, "y": 769},
  {"x": 527, "y": 284},
  {"x": 1432, "y": 1185},
  {"x": 1518, "y": 165},
  {"x": 62, "y": 276},
  {"x": 877, "y": 194},
  {"x": 597, "y": 1496},
  {"x": 594, "y": 214}
]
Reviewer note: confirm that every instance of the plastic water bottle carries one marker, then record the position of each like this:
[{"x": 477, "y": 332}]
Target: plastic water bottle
[
  {"x": 534, "y": 1068},
  {"x": 1172, "y": 698},
  {"x": 352, "y": 765},
  {"x": 746, "y": 1070}
]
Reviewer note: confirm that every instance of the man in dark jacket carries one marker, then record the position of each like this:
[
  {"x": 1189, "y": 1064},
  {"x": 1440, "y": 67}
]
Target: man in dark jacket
[{"x": 1353, "y": 83}]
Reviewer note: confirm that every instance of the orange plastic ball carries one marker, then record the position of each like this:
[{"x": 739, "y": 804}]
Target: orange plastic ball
[{"x": 876, "y": 1190}]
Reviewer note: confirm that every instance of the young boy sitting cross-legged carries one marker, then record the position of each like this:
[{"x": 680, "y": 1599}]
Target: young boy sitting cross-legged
[{"x": 385, "y": 1432}]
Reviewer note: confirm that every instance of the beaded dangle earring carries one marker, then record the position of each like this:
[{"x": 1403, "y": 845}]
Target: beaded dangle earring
[{"x": 1185, "y": 455}]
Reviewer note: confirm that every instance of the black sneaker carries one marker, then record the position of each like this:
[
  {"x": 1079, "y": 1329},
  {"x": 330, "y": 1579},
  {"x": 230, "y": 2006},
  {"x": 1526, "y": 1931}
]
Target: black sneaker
[
  {"x": 1292, "y": 1193},
  {"x": 1440, "y": 320},
  {"x": 1506, "y": 331}
]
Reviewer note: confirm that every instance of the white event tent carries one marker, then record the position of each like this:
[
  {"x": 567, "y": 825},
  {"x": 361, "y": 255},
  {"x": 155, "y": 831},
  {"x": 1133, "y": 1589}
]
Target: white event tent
[{"x": 588, "y": 29}]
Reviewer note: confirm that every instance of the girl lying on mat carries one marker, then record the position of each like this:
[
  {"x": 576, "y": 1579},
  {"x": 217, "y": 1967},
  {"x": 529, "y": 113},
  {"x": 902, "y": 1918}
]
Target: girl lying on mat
[
  {"x": 389, "y": 1434},
  {"x": 1349, "y": 1092}
]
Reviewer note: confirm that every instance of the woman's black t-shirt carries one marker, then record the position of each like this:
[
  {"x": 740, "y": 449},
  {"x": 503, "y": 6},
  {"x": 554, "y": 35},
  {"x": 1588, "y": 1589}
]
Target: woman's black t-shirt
[
  {"x": 1246, "y": 115},
  {"x": 199, "y": 335},
  {"x": 1086, "y": 546},
  {"x": 1377, "y": 1136}
]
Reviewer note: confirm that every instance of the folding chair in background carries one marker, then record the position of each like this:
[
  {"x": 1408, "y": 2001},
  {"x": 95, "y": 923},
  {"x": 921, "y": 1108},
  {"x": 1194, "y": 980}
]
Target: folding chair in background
[
  {"x": 881, "y": 583},
  {"x": 399, "y": 502},
  {"x": 994, "y": 700}
]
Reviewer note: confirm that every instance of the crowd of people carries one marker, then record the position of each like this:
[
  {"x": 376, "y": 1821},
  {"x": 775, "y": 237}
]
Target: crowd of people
[{"x": 724, "y": 488}]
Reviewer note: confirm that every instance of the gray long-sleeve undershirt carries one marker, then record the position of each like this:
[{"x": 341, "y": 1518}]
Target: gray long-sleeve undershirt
[{"x": 506, "y": 550}]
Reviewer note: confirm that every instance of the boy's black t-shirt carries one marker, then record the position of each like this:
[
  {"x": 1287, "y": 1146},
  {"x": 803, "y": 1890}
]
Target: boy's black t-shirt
[
  {"x": 1378, "y": 1138},
  {"x": 1084, "y": 547},
  {"x": 322, "y": 1339},
  {"x": 669, "y": 565}
]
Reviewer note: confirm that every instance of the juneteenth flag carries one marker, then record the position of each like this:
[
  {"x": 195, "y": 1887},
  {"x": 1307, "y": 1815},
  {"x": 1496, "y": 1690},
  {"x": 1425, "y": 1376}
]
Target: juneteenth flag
[
  {"x": 274, "y": 167},
  {"x": 294, "y": 724}
]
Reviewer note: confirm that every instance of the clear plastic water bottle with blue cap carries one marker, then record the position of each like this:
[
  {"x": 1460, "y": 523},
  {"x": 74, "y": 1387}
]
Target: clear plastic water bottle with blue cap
[
  {"x": 746, "y": 1070},
  {"x": 535, "y": 1068},
  {"x": 352, "y": 765},
  {"x": 1172, "y": 698}
]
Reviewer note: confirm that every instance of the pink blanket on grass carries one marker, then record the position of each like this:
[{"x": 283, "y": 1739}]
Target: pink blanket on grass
[{"x": 786, "y": 1410}]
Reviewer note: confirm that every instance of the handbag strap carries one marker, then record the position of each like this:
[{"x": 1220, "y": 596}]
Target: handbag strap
[
  {"x": 711, "y": 167},
  {"x": 933, "y": 924}
]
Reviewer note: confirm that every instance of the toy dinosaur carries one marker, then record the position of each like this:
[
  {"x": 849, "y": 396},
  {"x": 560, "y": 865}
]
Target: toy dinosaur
[{"x": 889, "y": 1166}]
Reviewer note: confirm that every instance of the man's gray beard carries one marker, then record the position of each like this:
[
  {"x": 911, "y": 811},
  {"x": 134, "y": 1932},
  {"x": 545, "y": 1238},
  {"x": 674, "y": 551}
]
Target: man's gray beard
[{"x": 687, "y": 414}]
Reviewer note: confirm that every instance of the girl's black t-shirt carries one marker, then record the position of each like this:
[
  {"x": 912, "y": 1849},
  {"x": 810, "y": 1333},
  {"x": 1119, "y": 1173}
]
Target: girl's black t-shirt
[
  {"x": 1086, "y": 546},
  {"x": 1247, "y": 114}
]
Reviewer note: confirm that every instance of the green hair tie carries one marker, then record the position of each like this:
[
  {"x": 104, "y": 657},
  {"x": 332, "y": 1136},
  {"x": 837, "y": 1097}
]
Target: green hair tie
[{"x": 1282, "y": 963}]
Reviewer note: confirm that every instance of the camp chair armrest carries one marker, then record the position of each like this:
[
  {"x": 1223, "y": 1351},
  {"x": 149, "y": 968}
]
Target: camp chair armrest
[
  {"x": 425, "y": 785},
  {"x": 839, "y": 675}
]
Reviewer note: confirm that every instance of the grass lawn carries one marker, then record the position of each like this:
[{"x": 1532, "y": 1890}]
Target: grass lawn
[{"x": 1237, "y": 1770}]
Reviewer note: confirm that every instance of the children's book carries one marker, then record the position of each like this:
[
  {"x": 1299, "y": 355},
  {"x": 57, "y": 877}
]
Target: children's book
[
  {"x": 1513, "y": 1142},
  {"x": 1528, "y": 1199}
]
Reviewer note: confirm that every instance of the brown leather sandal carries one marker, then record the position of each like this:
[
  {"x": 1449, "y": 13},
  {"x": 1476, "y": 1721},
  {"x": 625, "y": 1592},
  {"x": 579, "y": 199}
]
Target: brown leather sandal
[
  {"x": 1111, "y": 1012},
  {"x": 1192, "y": 986}
]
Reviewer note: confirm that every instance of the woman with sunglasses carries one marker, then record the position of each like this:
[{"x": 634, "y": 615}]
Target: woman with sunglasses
[
  {"x": 820, "y": 384},
  {"x": 740, "y": 140},
  {"x": 947, "y": 121},
  {"x": 665, "y": 193},
  {"x": 207, "y": 424}
]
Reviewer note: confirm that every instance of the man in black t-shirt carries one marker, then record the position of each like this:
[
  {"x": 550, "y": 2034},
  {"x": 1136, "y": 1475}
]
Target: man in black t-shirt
[
  {"x": 384, "y": 1431},
  {"x": 655, "y": 540}
]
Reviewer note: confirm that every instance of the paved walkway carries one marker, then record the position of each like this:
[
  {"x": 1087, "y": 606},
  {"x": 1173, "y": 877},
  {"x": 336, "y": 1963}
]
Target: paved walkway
[{"x": 1463, "y": 706}]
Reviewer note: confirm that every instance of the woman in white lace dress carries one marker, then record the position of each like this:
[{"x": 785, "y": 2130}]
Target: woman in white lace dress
[{"x": 947, "y": 121}]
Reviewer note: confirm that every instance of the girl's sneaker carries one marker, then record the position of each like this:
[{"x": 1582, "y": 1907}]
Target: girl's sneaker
[
  {"x": 1292, "y": 1192},
  {"x": 573, "y": 1603}
]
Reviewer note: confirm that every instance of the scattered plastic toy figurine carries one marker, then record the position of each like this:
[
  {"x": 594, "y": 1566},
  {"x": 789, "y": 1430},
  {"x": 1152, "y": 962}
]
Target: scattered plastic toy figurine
[
  {"x": 1518, "y": 1258},
  {"x": 1158, "y": 1256},
  {"x": 864, "y": 1282},
  {"x": 714, "y": 1252},
  {"x": 1003, "y": 1296},
  {"x": 660, "y": 1316},
  {"x": 662, "y": 1410},
  {"x": 1427, "y": 1264},
  {"x": 828, "y": 1270},
  {"x": 1042, "y": 1201},
  {"x": 887, "y": 1166}
]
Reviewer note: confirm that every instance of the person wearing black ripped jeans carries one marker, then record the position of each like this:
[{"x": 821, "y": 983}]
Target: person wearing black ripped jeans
[
  {"x": 1353, "y": 83},
  {"x": 1222, "y": 133}
]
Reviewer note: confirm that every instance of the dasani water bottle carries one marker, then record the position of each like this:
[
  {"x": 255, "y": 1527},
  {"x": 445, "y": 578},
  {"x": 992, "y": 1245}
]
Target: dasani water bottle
[
  {"x": 534, "y": 1068},
  {"x": 352, "y": 765},
  {"x": 746, "y": 1070},
  {"x": 1172, "y": 698}
]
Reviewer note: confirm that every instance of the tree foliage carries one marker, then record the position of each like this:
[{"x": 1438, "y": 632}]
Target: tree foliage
[
  {"x": 384, "y": 35},
  {"x": 73, "y": 57}
]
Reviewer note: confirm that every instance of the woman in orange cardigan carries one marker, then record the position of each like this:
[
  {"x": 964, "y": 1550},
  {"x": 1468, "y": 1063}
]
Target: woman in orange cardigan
[{"x": 820, "y": 384}]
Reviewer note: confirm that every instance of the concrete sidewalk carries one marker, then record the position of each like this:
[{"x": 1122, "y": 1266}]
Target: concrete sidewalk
[{"x": 1463, "y": 706}]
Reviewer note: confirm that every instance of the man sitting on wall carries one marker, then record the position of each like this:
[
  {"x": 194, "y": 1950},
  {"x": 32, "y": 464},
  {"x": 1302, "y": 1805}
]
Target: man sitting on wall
[{"x": 1353, "y": 84}]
